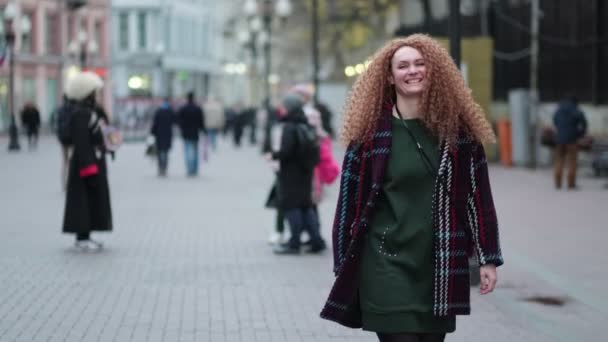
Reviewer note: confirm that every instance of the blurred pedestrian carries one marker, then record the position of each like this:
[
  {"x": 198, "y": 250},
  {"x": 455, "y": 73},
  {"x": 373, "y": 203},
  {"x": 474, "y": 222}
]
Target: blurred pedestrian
[
  {"x": 214, "y": 120},
  {"x": 270, "y": 118},
  {"x": 327, "y": 166},
  {"x": 87, "y": 206},
  {"x": 229, "y": 115},
  {"x": 571, "y": 126},
  {"x": 327, "y": 170},
  {"x": 326, "y": 118},
  {"x": 30, "y": 117},
  {"x": 414, "y": 197},
  {"x": 162, "y": 130},
  {"x": 238, "y": 123},
  {"x": 251, "y": 121},
  {"x": 273, "y": 145},
  {"x": 191, "y": 122},
  {"x": 307, "y": 92},
  {"x": 297, "y": 155}
]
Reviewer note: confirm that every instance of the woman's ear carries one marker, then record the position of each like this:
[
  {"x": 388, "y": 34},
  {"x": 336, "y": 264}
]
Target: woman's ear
[{"x": 391, "y": 79}]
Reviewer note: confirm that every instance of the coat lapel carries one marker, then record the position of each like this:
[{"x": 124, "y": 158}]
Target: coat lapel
[{"x": 377, "y": 155}]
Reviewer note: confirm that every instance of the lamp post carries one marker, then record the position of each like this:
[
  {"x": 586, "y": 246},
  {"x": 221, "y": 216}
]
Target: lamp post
[
  {"x": 162, "y": 86},
  {"x": 315, "y": 50},
  {"x": 260, "y": 18},
  {"x": 10, "y": 14},
  {"x": 455, "y": 31},
  {"x": 82, "y": 47}
]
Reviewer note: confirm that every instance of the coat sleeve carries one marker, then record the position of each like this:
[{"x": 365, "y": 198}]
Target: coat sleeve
[
  {"x": 345, "y": 208},
  {"x": 481, "y": 213},
  {"x": 36, "y": 117},
  {"x": 154, "y": 124},
  {"x": 84, "y": 153},
  {"x": 288, "y": 143}
]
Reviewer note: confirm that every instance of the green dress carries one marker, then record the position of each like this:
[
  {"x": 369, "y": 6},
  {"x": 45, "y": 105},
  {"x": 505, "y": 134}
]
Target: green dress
[{"x": 396, "y": 279}]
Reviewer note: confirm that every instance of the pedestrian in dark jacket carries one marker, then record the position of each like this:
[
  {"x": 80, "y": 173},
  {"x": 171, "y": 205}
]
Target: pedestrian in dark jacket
[
  {"x": 191, "y": 123},
  {"x": 571, "y": 125},
  {"x": 239, "y": 120},
  {"x": 295, "y": 182},
  {"x": 87, "y": 206},
  {"x": 162, "y": 130},
  {"x": 30, "y": 117},
  {"x": 415, "y": 197}
]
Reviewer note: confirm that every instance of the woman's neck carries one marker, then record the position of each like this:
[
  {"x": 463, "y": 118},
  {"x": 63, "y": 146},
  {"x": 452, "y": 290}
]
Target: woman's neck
[{"x": 408, "y": 107}]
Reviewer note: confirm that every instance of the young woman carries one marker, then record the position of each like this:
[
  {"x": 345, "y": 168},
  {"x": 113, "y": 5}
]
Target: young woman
[
  {"x": 87, "y": 206},
  {"x": 415, "y": 199}
]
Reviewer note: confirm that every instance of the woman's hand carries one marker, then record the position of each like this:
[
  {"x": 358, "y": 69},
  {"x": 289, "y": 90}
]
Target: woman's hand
[{"x": 488, "y": 278}]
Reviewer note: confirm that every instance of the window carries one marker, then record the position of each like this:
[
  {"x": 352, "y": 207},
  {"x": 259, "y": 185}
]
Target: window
[
  {"x": 48, "y": 35},
  {"x": 142, "y": 30},
  {"x": 51, "y": 94},
  {"x": 123, "y": 31},
  {"x": 29, "y": 91},
  {"x": 26, "y": 38},
  {"x": 98, "y": 36}
]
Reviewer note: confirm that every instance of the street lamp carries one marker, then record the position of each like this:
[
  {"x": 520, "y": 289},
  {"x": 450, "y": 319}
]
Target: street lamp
[
  {"x": 260, "y": 16},
  {"x": 10, "y": 14},
  {"x": 315, "y": 50},
  {"x": 82, "y": 47}
]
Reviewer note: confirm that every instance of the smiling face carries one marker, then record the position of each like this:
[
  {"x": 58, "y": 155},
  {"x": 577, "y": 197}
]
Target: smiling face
[{"x": 408, "y": 72}]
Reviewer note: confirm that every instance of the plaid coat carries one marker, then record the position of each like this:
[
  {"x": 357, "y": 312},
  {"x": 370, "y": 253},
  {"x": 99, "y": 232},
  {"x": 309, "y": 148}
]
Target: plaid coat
[{"x": 464, "y": 221}]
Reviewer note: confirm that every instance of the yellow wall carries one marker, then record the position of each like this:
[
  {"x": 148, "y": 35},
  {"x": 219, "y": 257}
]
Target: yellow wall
[{"x": 477, "y": 55}]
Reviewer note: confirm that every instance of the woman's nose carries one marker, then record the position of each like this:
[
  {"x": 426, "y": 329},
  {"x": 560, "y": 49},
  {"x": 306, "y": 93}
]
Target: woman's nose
[{"x": 411, "y": 70}]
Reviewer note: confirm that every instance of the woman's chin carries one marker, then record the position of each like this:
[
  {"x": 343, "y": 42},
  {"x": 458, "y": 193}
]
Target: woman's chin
[{"x": 411, "y": 92}]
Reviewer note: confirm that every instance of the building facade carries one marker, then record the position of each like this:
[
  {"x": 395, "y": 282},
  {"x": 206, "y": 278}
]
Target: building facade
[
  {"x": 42, "y": 58},
  {"x": 165, "y": 47}
]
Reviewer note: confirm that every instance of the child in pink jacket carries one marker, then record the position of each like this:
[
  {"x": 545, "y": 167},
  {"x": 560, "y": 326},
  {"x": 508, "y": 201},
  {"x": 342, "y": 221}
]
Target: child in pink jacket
[{"x": 328, "y": 169}]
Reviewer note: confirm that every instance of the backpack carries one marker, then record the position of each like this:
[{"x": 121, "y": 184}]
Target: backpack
[
  {"x": 64, "y": 118},
  {"x": 308, "y": 146}
]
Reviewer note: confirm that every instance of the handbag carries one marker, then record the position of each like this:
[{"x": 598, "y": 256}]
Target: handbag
[
  {"x": 150, "y": 146},
  {"x": 112, "y": 138},
  {"x": 547, "y": 137}
]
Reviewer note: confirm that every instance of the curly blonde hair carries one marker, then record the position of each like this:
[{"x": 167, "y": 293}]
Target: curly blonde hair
[{"x": 446, "y": 104}]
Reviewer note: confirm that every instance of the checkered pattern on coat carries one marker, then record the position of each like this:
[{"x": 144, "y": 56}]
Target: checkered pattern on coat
[{"x": 464, "y": 220}]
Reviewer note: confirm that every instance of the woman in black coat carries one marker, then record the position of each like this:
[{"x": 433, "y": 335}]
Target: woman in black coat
[
  {"x": 295, "y": 175},
  {"x": 87, "y": 206}
]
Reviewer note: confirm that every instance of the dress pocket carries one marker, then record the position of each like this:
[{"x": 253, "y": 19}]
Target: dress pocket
[{"x": 384, "y": 246}]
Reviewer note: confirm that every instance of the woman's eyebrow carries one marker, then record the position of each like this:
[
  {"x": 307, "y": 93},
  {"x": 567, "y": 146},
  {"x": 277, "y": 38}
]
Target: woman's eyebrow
[{"x": 410, "y": 61}]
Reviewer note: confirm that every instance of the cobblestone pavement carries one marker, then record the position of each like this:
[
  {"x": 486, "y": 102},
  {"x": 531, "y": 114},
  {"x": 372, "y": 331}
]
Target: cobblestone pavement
[{"x": 189, "y": 260}]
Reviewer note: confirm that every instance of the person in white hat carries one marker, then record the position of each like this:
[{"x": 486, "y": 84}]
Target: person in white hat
[{"x": 87, "y": 206}]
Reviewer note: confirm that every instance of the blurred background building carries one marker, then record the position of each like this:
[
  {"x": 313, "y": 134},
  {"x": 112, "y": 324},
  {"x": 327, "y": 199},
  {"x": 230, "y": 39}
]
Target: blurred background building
[
  {"x": 165, "y": 47},
  {"x": 52, "y": 39},
  {"x": 249, "y": 50},
  {"x": 497, "y": 52}
]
